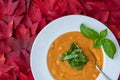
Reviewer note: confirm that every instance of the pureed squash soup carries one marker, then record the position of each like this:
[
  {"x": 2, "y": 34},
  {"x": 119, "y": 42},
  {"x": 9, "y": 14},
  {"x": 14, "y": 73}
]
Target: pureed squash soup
[{"x": 61, "y": 70}]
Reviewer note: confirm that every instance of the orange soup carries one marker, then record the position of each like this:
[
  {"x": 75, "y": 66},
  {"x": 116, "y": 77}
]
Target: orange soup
[{"x": 61, "y": 70}]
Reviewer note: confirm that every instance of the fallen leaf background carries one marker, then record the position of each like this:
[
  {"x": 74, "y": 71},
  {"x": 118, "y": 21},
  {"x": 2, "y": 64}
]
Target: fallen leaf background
[{"x": 22, "y": 20}]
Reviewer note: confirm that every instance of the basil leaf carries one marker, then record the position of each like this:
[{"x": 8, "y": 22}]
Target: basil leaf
[
  {"x": 72, "y": 47},
  {"x": 63, "y": 55},
  {"x": 75, "y": 57},
  {"x": 88, "y": 32},
  {"x": 70, "y": 56},
  {"x": 103, "y": 33},
  {"x": 109, "y": 47},
  {"x": 98, "y": 42}
]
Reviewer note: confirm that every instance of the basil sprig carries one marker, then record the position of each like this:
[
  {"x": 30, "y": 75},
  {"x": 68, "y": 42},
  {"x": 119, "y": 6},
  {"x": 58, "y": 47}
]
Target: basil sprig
[
  {"x": 100, "y": 40},
  {"x": 75, "y": 57}
]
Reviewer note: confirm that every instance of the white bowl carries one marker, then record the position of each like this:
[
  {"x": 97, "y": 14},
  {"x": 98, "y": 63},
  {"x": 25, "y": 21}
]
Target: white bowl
[{"x": 60, "y": 26}]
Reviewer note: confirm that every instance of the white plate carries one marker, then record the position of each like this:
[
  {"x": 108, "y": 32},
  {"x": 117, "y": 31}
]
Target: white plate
[{"x": 63, "y": 25}]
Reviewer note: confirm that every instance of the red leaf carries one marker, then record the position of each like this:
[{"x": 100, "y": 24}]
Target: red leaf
[
  {"x": 41, "y": 25},
  {"x": 112, "y": 4},
  {"x": 13, "y": 43},
  {"x": 20, "y": 61},
  {"x": 25, "y": 77},
  {"x": 30, "y": 42},
  {"x": 5, "y": 30},
  {"x": 22, "y": 35},
  {"x": 23, "y": 61},
  {"x": 4, "y": 47},
  {"x": 98, "y": 4},
  {"x": 10, "y": 75},
  {"x": 22, "y": 40},
  {"x": 57, "y": 8},
  {"x": 8, "y": 7},
  {"x": 34, "y": 13},
  {"x": 32, "y": 26},
  {"x": 2, "y": 58},
  {"x": 74, "y": 7},
  {"x": 17, "y": 20},
  {"x": 31, "y": 76},
  {"x": 8, "y": 19},
  {"x": 33, "y": 29},
  {"x": 51, "y": 6},
  {"x": 115, "y": 31},
  {"x": 11, "y": 58},
  {"x": 20, "y": 8},
  {"x": 3, "y": 67},
  {"x": 114, "y": 18},
  {"x": 41, "y": 6},
  {"x": 28, "y": 22},
  {"x": 94, "y": 10}
]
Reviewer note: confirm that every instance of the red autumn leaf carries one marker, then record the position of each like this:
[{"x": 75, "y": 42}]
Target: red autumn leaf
[
  {"x": 114, "y": 18},
  {"x": 33, "y": 29},
  {"x": 34, "y": 13},
  {"x": 28, "y": 3},
  {"x": 8, "y": 7},
  {"x": 32, "y": 26},
  {"x": 23, "y": 61},
  {"x": 95, "y": 11},
  {"x": 15, "y": 19},
  {"x": 20, "y": 61},
  {"x": 41, "y": 25},
  {"x": 98, "y": 4},
  {"x": 4, "y": 47},
  {"x": 30, "y": 42},
  {"x": 5, "y": 29},
  {"x": 115, "y": 31},
  {"x": 22, "y": 35},
  {"x": 74, "y": 7},
  {"x": 21, "y": 7},
  {"x": 3, "y": 67},
  {"x": 57, "y": 8},
  {"x": 14, "y": 11},
  {"x": 112, "y": 4},
  {"x": 2, "y": 58},
  {"x": 13, "y": 43},
  {"x": 41, "y": 7},
  {"x": 22, "y": 40},
  {"x": 51, "y": 6},
  {"x": 13, "y": 74},
  {"x": 28, "y": 22},
  {"x": 83, "y": 1},
  {"x": 25, "y": 77},
  {"x": 30, "y": 76}
]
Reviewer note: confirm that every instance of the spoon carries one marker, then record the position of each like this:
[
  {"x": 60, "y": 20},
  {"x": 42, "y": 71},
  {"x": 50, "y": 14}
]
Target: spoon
[{"x": 97, "y": 67}]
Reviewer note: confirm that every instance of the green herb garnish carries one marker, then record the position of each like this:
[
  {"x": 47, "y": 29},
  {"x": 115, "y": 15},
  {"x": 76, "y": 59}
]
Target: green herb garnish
[
  {"x": 88, "y": 32},
  {"x": 75, "y": 57},
  {"x": 109, "y": 47},
  {"x": 99, "y": 40}
]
